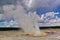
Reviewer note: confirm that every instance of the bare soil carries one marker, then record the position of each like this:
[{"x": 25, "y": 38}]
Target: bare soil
[{"x": 15, "y": 35}]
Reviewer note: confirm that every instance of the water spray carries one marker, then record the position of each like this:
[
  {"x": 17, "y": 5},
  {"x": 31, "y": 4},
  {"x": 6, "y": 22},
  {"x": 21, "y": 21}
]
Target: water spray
[{"x": 27, "y": 23}]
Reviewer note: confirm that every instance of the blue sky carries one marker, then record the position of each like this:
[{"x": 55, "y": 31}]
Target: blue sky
[{"x": 45, "y": 10}]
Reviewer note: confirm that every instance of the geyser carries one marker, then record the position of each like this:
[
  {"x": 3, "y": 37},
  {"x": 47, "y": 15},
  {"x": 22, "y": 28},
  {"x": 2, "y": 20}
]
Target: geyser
[{"x": 28, "y": 22}]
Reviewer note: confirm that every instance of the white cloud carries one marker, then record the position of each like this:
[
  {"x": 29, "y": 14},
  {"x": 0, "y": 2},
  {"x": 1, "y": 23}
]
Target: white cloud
[
  {"x": 52, "y": 22},
  {"x": 8, "y": 10},
  {"x": 50, "y": 15},
  {"x": 33, "y": 4},
  {"x": 2, "y": 17}
]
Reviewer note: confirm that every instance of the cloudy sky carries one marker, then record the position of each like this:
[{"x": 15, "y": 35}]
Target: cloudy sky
[
  {"x": 48, "y": 10},
  {"x": 43, "y": 6}
]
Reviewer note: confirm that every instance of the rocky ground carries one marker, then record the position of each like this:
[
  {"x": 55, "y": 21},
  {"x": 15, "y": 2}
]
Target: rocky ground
[{"x": 15, "y": 35}]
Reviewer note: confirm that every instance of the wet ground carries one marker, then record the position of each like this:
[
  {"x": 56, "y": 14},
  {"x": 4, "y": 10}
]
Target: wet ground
[{"x": 15, "y": 35}]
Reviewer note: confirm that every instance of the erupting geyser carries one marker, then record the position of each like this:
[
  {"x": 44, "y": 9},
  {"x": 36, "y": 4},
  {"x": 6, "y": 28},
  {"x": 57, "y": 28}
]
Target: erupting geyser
[{"x": 28, "y": 22}]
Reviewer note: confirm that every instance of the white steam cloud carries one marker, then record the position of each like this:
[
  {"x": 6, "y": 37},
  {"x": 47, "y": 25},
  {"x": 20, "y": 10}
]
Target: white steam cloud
[
  {"x": 41, "y": 3},
  {"x": 31, "y": 4}
]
